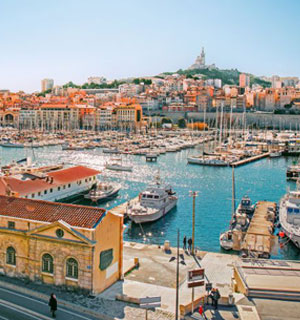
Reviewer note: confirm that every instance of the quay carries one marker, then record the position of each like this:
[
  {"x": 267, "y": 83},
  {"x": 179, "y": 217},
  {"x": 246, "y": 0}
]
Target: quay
[
  {"x": 121, "y": 209},
  {"x": 248, "y": 160},
  {"x": 259, "y": 239}
]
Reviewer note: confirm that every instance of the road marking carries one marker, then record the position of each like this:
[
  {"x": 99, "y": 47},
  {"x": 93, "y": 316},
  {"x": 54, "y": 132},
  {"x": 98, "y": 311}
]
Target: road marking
[
  {"x": 2, "y": 318},
  {"x": 43, "y": 303},
  {"x": 23, "y": 310}
]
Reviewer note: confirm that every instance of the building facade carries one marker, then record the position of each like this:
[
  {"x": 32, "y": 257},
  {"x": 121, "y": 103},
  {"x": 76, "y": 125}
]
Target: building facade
[
  {"x": 60, "y": 244},
  {"x": 47, "y": 84}
]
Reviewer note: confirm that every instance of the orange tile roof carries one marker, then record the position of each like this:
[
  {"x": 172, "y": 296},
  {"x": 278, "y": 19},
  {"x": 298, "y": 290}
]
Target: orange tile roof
[
  {"x": 60, "y": 177},
  {"x": 72, "y": 174},
  {"x": 46, "y": 211}
]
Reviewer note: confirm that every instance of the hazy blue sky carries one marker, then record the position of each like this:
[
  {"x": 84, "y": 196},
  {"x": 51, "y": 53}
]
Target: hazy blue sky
[{"x": 72, "y": 40}]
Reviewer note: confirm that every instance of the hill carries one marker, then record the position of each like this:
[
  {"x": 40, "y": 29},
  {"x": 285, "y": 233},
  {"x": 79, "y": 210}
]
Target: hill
[{"x": 230, "y": 77}]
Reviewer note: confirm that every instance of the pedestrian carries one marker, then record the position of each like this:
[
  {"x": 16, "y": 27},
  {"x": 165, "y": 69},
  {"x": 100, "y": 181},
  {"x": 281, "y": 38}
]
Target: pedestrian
[
  {"x": 53, "y": 304},
  {"x": 216, "y": 297},
  {"x": 190, "y": 241},
  {"x": 211, "y": 296},
  {"x": 184, "y": 243}
]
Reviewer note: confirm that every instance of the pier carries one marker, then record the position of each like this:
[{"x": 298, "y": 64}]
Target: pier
[
  {"x": 248, "y": 160},
  {"x": 151, "y": 157},
  {"x": 122, "y": 208},
  {"x": 259, "y": 238}
]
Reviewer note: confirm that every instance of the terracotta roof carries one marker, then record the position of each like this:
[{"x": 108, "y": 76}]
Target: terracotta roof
[
  {"x": 60, "y": 177},
  {"x": 46, "y": 211},
  {"x": 72, "y": 174}
]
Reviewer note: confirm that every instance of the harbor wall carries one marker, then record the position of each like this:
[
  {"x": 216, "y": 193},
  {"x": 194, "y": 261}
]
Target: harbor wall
[{"x": 255, "y": 120}]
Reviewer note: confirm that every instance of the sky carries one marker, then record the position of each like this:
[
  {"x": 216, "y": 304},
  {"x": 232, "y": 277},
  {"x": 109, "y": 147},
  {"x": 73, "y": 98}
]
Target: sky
[{"x": 70, "y": 40}]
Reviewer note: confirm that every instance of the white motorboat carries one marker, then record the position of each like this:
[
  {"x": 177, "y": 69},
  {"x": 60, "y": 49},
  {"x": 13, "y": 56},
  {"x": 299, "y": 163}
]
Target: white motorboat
[
  {"x": 118, "y": 166},
  {"x": 111, "y": 150},
  {"x": 275, "y": 154},
  {"x": 226, "y": 240},
  {"x": 155, "y": 202},
  {"x": 208, "y": 161},
  {"x": 104, "y": 190}
]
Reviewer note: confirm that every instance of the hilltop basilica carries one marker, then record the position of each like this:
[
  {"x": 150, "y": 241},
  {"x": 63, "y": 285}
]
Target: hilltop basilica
[{"x": 200, "y": 63}]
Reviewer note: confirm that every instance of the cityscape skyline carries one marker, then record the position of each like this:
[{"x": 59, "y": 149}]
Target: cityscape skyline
[{"x": 70, "y": 41}]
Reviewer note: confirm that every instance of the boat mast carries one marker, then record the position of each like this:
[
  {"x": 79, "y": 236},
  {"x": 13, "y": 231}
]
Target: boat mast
[{"x": 233, "y": 193}]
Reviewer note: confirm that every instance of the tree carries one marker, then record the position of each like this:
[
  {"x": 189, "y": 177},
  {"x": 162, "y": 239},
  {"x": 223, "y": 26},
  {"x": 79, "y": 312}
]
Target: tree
[{"x": 181, "y": 123}]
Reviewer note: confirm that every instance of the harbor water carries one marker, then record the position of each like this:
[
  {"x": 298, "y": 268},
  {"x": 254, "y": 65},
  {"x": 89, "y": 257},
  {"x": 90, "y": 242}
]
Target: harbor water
[{"x": 260, "y": 180}]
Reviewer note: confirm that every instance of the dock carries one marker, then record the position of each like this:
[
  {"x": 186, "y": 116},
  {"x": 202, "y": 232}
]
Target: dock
[
  {"x": 248, "y": 160},
  {"x": 121, "y": 209},
  {"x": 259, "y": 238},
  {"x": 151, "y": 157}
]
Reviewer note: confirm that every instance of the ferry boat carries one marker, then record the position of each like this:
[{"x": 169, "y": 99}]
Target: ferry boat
[
  {"x": 103, "y": 190},
  {"x": 155, "y": 202},
  {"x": 50, "y": 185},
  {"x": 289, "y": 215}
]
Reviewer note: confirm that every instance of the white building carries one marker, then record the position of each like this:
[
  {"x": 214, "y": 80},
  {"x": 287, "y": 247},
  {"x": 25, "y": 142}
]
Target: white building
[
  {"x": 47, "y": 84},
  {"x": 96, "y": 80}
]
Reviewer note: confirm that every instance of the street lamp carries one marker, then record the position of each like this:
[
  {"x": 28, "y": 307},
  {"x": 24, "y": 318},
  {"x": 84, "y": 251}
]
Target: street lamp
[
  {"x": 193, "y": 194},
  {"x": 177, "y": 274}
]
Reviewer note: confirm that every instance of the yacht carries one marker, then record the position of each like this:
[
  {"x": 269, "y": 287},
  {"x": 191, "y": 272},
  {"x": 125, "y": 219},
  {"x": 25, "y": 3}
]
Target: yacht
[
  {"x": 103, "y": 190},
  {"x": 208, "y": 161},
  {"x": 289, "y": 216},
  {"x": 293, "y": 172},
  {"x": 155, "y": 202},
  {"x": 117, "y": 165},
  {"x": 275, "y": 154}
]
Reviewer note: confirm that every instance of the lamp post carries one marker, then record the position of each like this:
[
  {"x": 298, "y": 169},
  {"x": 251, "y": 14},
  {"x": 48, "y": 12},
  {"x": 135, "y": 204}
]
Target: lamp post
[
  {"x": 177, "y": 274},
  {"x": 177, "y": 277},
  {"x": 193, "y": 194}
]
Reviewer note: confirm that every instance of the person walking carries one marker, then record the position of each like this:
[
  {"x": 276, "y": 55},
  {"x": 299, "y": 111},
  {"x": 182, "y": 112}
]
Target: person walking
[
  {"x": 184, "y": 243},
  {"x": 53, "y": 304},
  {"x": 216, "y": 297},
  {"x": 190, "y": 241}
]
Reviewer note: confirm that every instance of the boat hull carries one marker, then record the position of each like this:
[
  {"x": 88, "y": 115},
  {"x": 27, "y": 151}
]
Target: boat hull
[{"x": 143, "y": 218}]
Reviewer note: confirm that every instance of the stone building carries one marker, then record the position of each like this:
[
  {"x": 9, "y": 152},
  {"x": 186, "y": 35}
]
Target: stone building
[{"x": 60, "y": 244}]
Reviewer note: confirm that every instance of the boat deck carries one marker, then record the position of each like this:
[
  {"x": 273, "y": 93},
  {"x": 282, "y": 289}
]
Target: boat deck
[{"x": 259, "y": 237}]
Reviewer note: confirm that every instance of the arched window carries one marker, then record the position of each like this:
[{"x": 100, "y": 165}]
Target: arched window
[
  {"x": 72, "y": 268},
  {"x": 47, "y": 263},
  {"x": 11, "y": 256}
]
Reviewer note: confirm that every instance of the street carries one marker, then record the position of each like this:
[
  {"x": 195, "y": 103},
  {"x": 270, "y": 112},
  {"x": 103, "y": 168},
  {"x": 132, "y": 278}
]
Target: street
[{"x": 17, "y": 306}]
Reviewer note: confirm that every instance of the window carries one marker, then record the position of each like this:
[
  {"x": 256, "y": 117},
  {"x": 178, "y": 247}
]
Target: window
[
  {"x": 59, "y": 233},
  {"x": 51, "y": 190},
  {"x": 39, "y": 193},
  {"x": 45, "y": 192},
  {"x": 11, "y": 256},
  {"x": 11, "y": 225},
  {"x": 32, "y": 196},
  {"x": 69, "y": 185},
  {"x": 64, "y": 187},
  {"x": 58, "y": 188},
  {"x": 72, "y": 268},
  {"x": 47, "y": 263}
]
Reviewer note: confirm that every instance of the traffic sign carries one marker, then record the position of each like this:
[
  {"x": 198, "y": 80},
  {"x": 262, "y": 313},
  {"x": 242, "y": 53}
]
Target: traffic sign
[{"x": 195, "y": 275}]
